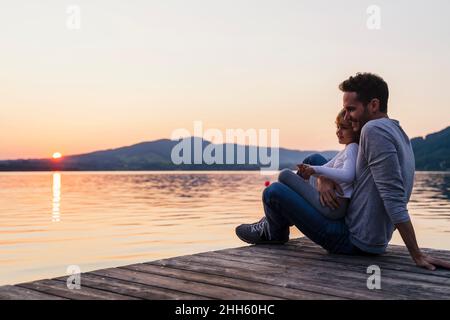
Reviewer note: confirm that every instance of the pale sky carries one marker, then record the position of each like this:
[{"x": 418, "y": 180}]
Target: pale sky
[{"x": 138, "y": 70}]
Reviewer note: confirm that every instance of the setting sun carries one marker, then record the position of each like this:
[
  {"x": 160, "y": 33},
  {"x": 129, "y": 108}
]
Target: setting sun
[{"x": 57, "y": 155}]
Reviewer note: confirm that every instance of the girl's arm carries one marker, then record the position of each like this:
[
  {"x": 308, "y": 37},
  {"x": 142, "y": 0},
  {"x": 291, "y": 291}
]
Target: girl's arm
[
  {"x": 306, "y": 170},
  {"x": 330, "y": 163},
  {"x": 347, "y": 173}
]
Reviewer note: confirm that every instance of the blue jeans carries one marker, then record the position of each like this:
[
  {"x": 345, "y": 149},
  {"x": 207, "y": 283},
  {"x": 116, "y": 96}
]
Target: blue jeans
[{"x": 283, "y": 208}]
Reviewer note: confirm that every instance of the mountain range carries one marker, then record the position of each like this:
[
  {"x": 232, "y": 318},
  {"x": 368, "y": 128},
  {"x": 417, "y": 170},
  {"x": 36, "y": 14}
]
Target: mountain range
[
  {"x": 156, "y": 155},
  {"x": 431, "y": 153}
]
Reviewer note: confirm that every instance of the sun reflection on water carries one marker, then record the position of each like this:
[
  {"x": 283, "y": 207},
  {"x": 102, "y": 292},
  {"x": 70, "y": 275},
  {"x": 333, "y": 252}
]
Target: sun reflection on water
[{"x": 56, "y": 208}]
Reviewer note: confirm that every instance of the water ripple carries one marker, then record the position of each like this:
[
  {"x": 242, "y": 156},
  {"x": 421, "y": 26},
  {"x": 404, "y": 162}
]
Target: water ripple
[{"x": 97, "y": 220}]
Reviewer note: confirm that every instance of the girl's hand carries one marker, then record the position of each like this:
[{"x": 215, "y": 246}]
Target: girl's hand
[
  {"x": 305, "y": 171},
  {"x": 301, "y": 168}
]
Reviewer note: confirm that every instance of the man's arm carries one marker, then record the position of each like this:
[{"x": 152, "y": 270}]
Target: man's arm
[
  {"x": 406, "y": 230},
  {"x": 382, "y": 159},
  {"x": 327, "y": 189}
]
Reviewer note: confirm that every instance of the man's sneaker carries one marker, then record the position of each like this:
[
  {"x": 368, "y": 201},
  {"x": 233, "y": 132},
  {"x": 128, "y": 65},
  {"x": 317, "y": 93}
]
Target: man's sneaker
[{"x": 256, "y": 233}]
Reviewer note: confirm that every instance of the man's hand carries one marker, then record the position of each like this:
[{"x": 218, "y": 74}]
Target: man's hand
[
  {"x": 430, "y": 263},
  {"x": 305, "y": 171},
  {"x": 406, "y": 230},
  {"x": 327, "y": 189}
]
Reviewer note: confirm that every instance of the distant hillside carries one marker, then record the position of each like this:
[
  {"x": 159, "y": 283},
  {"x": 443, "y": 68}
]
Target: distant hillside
[
  {"x": 153, "y": 155},
  {"x": 433, "y": 152}
]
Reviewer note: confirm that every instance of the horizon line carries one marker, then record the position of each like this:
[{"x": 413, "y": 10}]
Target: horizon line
[
  {"x": 167, "y": 139},
  {"x": 193, "y": 136}
]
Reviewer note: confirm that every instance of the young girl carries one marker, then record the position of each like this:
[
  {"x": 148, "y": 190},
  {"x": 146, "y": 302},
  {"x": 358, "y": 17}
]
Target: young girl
[{"x": 342, "y": 169}]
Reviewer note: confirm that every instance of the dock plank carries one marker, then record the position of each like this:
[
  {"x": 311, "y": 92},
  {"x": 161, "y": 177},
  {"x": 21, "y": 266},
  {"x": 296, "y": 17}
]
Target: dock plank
[
  {"x": 133, "y": 289},
  {"x": 278, "y": 274},
  {"x": 384, "y": 261},
  {"x": 59, "y": 288},
  {"x": 400, "y": 272},
  {"x": 297, "y": 270},
  {"x": 226, "y": 280},
  {"x": 186, "y": 286},
  {"x": 354, "y": 279},
  {"x": 392, "y": 250},
  {"x": 14, "y": 293},
  {"x": 276, "y": 278}
]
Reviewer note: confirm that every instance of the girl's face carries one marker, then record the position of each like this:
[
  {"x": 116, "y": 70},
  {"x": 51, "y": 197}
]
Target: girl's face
[{"x": 345, "y": 134}]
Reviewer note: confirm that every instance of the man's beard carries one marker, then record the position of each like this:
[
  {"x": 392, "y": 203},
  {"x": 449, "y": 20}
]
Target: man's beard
[{"x": 358, "y": 125}]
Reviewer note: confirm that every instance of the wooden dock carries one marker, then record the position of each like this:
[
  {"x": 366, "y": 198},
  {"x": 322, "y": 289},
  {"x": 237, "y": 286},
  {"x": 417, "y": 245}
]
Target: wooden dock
[{"x": 297, "y": 270}]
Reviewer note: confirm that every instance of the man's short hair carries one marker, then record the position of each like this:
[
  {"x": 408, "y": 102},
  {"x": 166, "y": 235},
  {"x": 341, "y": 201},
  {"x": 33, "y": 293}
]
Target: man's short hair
[{"x": 367, "y": 86}]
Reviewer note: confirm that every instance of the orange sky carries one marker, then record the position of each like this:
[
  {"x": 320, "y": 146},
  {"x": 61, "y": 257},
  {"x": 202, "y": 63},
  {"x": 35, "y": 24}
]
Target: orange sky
[{"x": 137, "y": 72}]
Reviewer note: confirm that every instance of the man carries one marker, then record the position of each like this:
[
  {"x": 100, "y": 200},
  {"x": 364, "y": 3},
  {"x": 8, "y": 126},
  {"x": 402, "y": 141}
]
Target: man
[{"x": 384, "y": 182}]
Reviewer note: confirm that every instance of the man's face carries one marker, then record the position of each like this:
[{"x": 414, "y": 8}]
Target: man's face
[{"x": 355, "y": 111}]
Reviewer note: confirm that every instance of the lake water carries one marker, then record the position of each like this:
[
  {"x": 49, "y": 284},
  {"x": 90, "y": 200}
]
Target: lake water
[{"x": 49, "y": 221}]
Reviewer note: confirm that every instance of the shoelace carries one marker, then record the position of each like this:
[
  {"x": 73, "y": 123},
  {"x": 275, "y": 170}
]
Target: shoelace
[{"x": 259, "y": 226}]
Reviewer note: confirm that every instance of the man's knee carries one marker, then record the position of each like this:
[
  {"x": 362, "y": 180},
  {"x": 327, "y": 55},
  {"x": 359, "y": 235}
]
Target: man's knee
[{"x": 313, "y": 159}]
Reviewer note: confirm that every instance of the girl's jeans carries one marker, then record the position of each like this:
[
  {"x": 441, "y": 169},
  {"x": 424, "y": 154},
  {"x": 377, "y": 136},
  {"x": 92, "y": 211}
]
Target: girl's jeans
[{"x": 284, "y": 207}]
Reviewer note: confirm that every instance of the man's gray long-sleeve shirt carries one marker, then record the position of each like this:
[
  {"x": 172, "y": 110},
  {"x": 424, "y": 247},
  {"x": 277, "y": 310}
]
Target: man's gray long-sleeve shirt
[{"x": 383, "y": 186}]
